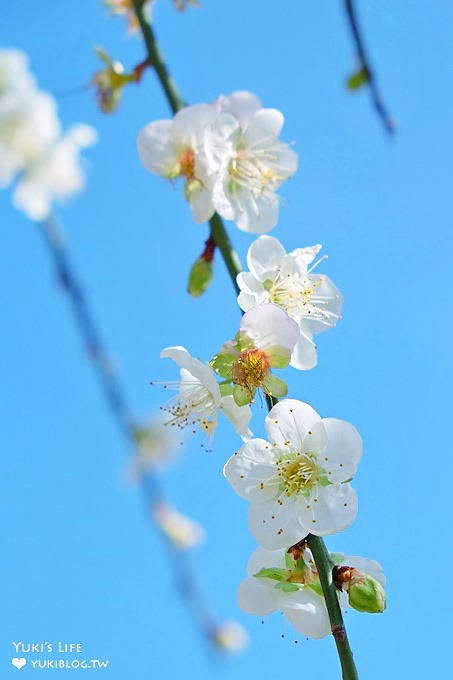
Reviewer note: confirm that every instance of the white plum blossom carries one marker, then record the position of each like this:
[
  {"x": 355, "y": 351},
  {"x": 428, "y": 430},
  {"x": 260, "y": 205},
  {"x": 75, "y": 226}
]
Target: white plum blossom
[
  {"x": 183, "y": 532},
  {"x": 277, "y": 581},
  {"x": 32, "y": 147},
  {"x": 246, "y": 162},
  {"x": 287, "y": 279},
  {"x": 265, "y": 340},
  {"x": 287, "y": 580},
  {"x": 298, "y": 481},
  {"x": 230, "y": 637},
  {"x": 28, "y": 120},
  {"x": 171, "y": 148},
  {"x": 56, "y": 175},
  {"x": 199, "y": 398}
]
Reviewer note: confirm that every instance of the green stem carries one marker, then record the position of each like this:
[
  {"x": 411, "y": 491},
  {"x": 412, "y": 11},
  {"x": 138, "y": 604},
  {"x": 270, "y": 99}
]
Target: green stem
[
  {"x": 156, "y": 60},
  {"x": 324, "y": 566},
  {"x": 232, "y": 262},
  {"x": 223, "y": 243}
]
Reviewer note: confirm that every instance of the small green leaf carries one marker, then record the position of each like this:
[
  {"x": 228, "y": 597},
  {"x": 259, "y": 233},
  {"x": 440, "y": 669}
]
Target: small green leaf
[
  {"x": 222, "y": 364},
  {"x": 358, "y": 79},
  {"x": 274, "y": 386},
  {"x": 287, "y": 587},
  {"x": 225, "y": 389},
  {"x": 279, "y": 357},
  {"x": 242, "y": 397},
  {"x": 274, "y": 573}
]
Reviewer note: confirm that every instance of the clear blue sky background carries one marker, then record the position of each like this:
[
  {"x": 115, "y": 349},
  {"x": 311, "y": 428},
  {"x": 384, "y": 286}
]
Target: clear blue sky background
[{"x": 80, "y": 561}]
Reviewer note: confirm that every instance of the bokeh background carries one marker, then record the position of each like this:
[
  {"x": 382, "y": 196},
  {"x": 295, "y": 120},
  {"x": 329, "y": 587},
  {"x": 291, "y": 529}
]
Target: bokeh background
[{"x": 80, "y": 561}]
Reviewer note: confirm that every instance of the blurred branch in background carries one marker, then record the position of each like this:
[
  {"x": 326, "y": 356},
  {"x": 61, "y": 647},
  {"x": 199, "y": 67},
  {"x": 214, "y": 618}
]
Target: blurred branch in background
[
  {"x": 177, "y": 532},
  {"x": 365, "y": 74}
]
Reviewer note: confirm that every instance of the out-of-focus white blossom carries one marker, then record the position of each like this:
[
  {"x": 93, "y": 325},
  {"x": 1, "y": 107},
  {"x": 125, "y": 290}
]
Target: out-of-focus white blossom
[
  {"x": 171, "y": 148},
  {"x": 230, "y": 158},
  {"x": 231, "y": 637},
  {"x": 182, "y": 531},
  {"x": 125, "y": 8},
  {"x": 33, "y": 149}
]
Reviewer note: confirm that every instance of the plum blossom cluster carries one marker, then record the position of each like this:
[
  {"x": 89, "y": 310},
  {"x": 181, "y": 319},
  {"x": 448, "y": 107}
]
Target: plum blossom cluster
[
  {"x": 229, "y": 157},
  {"x": 230, "y": 160},
  {"x": 34, "y": 153}
]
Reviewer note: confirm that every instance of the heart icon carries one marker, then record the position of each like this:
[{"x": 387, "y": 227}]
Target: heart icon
[{"x": 19, "y": 663}]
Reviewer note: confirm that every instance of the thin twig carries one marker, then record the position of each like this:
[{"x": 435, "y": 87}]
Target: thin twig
[
  {"x": 186, "y": 580},
  {"x": 380, "y": 108}
]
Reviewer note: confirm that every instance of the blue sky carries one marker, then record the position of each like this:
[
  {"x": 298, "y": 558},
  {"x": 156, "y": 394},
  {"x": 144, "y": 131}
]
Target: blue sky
[{"x": 80, "y": 560}]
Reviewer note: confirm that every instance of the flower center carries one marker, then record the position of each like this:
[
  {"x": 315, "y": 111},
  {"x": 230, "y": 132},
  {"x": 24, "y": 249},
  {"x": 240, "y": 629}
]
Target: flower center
[
  {"x": 299, "y": 473},
  {"x": 251, "y": 369},
  {"x": 194, "y": 404},
  {"x": 256, "y": 171},
  {"x": 187, "y": 164},
  {"x": 294, "y": 294}
]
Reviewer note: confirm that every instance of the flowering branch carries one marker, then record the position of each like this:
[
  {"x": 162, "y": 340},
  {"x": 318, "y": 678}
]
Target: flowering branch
[
  {"x": 366, "y": 74},
  {"x": 188, "y": 586},
  {"x": 234, "y": 267}
]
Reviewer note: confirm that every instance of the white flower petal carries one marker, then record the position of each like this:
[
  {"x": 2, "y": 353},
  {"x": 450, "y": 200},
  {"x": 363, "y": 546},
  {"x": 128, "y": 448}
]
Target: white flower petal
[
  {"x": 239, "y": 416},
  {"x": 156, "y": 152},
  {"x": 264, "y": 127},
  {"x": 201, "y": 206},
  {"x": 303, "y": 257},
  {"x": 189, "y": 123},
  {"x": 196, "y": 367},
  {"x": 269, "y": 326},
  {"x": 262, "y": 558},
  {"x": 274, "y": 523},
  {"x": 251, "y": 471},
  {"x": 221, "y": 202},
  {"x": 249, "y": 284},
  {"x": 304, "y": 356},
  {"x": 246, "y": 302},
  {"x": 242, "y": 105},
  {"x": 290, "y": 420},
  {"x": 218, "y": 144},
  {"x": 255, "y": 215},
  {"x": 307, "y": 612},
  {"x": 264, "y": 257},
  {"x": 343, "y": 449},
  {"x": 336, "y": 509},
  {"x": 257, "y": 596}
]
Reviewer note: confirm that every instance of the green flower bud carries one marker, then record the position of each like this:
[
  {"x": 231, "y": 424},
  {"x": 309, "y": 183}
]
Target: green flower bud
[
  {"x": 200, "y": 277},
  {"x": 365, "y": 594}
]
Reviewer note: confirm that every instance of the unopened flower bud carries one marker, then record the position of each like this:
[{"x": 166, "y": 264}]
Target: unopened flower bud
[
  {"x": 365, "y": 594},
  {"x": 200, "y": 277},
  {"x": 110, "y": 82}
]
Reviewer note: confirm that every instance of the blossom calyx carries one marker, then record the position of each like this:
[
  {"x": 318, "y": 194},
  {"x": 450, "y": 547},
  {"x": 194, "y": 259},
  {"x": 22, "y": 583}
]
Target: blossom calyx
[{"x": 265, "y": 340}]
